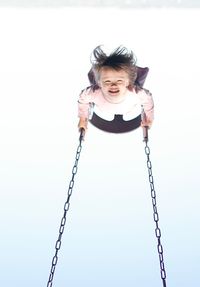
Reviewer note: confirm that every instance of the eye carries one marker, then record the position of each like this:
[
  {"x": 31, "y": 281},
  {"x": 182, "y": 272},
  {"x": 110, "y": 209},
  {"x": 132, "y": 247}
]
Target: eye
[
  {"x": 119, "y": 82},
  {"x": 107, "y": 83}
]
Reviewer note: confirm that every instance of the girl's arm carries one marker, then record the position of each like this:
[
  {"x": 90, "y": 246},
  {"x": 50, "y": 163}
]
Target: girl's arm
[
  {"x": 148, "y": 107},
  {"x": 83, "y": 108}
]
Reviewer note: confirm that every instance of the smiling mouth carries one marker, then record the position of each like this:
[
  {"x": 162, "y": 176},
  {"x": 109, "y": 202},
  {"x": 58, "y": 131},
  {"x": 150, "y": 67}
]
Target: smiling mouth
[{"x": 113, "y": 91}]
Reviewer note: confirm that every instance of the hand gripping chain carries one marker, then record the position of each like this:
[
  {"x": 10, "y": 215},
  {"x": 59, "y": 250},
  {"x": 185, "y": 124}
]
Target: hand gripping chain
[
  {"x": 66, "y": 208},
  {"x": 155, "y": 211}
]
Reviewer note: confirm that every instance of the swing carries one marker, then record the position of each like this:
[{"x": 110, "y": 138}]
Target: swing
[{"x": 117, "y": 125}]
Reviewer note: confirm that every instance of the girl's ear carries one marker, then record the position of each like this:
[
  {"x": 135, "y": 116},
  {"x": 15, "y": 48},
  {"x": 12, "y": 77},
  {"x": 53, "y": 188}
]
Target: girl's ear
[{"x": 99, "y": 84}]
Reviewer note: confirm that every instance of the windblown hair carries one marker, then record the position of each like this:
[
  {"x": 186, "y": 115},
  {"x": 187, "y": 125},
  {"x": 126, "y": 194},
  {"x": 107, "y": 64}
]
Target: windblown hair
[{"x": 119, "y": 59}]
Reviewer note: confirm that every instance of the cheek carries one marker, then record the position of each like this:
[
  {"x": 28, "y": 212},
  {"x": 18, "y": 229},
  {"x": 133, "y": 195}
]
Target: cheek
[{"x": 104, "y": 89}]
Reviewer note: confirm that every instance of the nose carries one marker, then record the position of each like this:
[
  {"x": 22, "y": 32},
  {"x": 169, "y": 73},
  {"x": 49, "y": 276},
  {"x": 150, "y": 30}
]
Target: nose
[{"x": 113, "y": 84}]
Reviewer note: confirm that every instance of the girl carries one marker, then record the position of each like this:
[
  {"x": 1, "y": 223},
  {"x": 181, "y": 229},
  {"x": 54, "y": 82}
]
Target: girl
[{"x": 115, "y": 90}]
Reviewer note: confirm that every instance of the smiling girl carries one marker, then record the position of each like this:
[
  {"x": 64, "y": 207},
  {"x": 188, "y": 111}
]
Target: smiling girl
[{"x": 114, "y": 90}]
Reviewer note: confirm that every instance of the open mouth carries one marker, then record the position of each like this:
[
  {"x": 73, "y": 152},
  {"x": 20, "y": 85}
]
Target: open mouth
[{"x": 113, "y": 92}]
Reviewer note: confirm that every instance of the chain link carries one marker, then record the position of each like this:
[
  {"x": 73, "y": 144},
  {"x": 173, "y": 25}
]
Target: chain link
[
  {"x": 66, "y": 208},
  {"x": 155, "y": 214}
]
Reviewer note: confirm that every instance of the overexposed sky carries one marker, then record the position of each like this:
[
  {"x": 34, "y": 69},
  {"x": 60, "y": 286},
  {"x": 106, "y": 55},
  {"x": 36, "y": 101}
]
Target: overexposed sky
[
  {"x": 109, "y": 239},
  {"x": 102, "y": 3}
]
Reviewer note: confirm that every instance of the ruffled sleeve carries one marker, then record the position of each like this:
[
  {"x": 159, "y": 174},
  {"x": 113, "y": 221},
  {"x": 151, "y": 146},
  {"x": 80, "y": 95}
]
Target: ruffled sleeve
[
  {"x": 147, "y": 103},
  {"x": 84, "y": 101}
]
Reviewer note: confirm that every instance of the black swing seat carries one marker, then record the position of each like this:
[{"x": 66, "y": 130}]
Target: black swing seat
[{"x": 117, "y": 125}]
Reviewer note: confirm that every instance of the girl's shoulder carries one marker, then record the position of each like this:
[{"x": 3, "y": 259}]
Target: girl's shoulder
[{"x": 92, "y": 90}]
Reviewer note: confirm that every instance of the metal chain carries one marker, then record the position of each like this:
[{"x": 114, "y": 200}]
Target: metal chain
[
  {"x": 67, "y": 205},
  {"x": 66, "y": 208},
  {"x": 155, "y": 213}
]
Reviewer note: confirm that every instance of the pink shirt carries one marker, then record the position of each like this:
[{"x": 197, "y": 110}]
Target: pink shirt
[{"x": 130, "y": 106}]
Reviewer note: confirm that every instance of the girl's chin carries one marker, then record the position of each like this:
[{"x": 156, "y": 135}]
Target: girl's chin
[{"x": 114, "y": 93}]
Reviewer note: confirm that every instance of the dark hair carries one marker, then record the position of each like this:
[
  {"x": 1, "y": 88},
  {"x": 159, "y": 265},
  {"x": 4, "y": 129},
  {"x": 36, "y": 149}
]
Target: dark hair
[{"x": 119, "y": 59}]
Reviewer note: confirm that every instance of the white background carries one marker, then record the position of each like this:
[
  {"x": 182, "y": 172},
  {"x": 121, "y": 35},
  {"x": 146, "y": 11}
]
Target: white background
[{"x": 109, "y": 238}]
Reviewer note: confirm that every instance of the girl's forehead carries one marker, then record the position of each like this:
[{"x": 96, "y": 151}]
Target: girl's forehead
[{"x": 112, "y": 73}]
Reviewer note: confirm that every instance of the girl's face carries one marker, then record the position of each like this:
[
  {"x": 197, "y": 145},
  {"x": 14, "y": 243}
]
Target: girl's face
[{"x": 113, "y": 83}]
